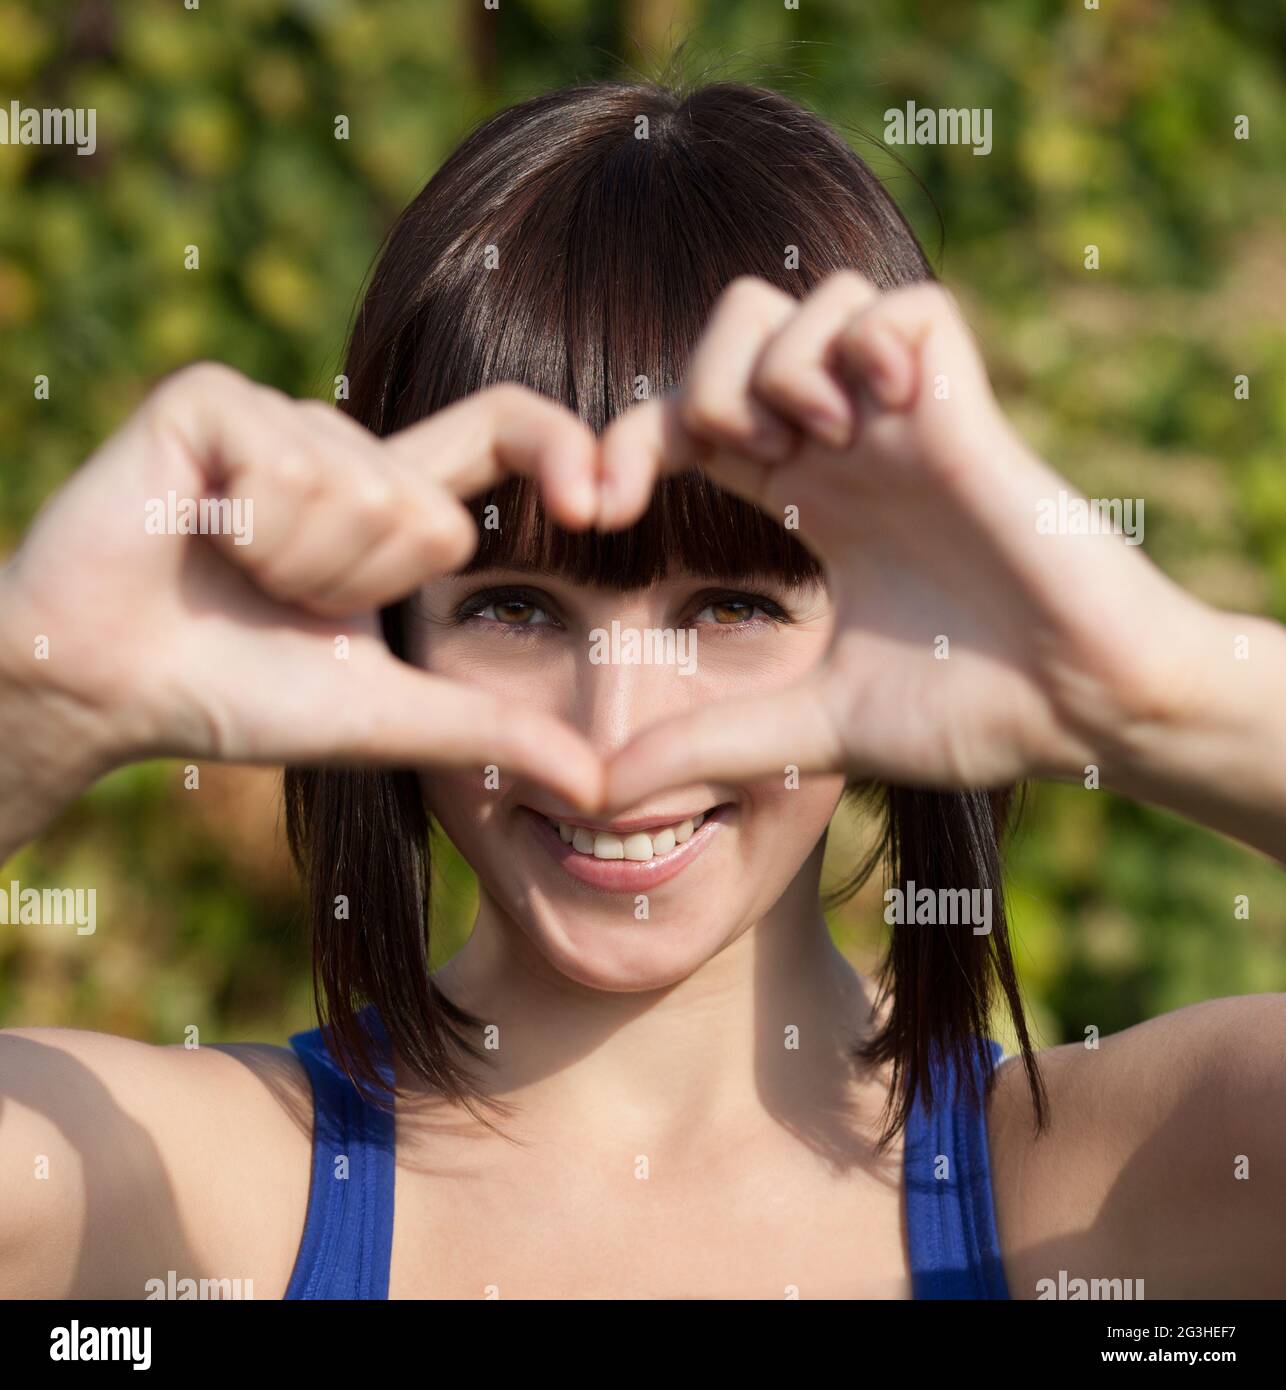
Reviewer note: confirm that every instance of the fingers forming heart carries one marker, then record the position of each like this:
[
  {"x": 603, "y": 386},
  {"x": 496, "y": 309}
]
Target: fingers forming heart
[
  {"x": 775, "y": 388},
  {"x": 773, "y": 381}
]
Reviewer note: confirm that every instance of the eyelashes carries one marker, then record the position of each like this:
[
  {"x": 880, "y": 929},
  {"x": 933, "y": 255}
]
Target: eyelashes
[
  {"x": 515, "y": 609},
  {"x": 508, "y": 603},
  {"x": 744, "y": 606}
]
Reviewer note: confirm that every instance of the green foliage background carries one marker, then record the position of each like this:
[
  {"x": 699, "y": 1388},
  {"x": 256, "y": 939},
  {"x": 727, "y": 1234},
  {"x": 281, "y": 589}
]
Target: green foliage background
[{"x": 1112, "y": 126}]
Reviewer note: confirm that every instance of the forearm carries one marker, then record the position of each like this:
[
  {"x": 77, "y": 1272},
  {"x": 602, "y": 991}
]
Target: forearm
[
  {"x": 1220, "y": 759},
  {"x": 50, "y": 748}
]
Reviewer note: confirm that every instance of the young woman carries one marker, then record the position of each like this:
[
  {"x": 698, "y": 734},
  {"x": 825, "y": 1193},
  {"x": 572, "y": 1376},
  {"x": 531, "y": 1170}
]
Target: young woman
[{"x": 637, "y": 362}]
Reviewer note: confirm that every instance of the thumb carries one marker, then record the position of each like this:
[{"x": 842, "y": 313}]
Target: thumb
[
  {"x": 733, "y": 741},
  {"x": 391, "y": 714}
]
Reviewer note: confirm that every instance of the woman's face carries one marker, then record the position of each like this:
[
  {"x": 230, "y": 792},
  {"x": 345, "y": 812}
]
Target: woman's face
[{"x": 642, "y": 899}]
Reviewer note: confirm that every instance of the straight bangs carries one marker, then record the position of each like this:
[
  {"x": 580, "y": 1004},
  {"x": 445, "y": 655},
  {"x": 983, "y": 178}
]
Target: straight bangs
[{"x": 691, "y": 527}]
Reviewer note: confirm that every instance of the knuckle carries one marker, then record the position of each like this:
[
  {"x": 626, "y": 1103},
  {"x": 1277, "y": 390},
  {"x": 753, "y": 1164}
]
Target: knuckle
[
  {"x": 927, "y": 297},
  {"x": 197, "y": 378},
  {"x": 845, "y": 283},
  {"x": 371, "y": 501},
  {"x": 293, "y": 471},
  {"x": 205, "y": 373},
  {"x": 747, "y": 289},
  {"x": 932, "y": 293},
  {"x": 757, "y": 302},
  {"x": 510, "y": 395}
]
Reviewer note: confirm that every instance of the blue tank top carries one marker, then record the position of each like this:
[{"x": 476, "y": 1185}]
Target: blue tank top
[{"x": 348, "y": 1231}]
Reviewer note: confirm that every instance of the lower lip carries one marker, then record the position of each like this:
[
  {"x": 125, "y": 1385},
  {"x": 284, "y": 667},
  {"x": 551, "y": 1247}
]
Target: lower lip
[{"x": 627, "y": 875}]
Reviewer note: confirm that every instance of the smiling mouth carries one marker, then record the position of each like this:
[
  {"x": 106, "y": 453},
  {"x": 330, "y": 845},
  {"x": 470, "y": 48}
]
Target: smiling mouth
[
  {"x": 626, "y": 859},
  {"x": 638, "y": 846}
]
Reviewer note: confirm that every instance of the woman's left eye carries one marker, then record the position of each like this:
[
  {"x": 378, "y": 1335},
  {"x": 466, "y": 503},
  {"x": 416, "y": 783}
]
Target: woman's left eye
[{"x": 737, "y": 612}]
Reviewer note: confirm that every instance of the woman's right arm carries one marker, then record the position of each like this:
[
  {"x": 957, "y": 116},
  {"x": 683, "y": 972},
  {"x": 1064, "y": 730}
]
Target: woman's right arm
[{"x": 124, "y": 636}]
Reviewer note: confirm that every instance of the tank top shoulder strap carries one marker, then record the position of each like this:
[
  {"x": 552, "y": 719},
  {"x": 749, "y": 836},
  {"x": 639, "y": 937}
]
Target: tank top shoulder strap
[
  {"x": 348, "y": 1231},
  {"x": 950, "y": 1216}
]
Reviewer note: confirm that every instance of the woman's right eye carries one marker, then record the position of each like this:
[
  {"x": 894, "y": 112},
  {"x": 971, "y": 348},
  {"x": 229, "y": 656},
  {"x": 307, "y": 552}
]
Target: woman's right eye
[{"x": 507, "y": 610}]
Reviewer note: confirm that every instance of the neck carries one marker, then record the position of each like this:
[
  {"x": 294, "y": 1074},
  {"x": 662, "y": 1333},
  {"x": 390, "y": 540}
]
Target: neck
[{"x": 762, "y": 1030}]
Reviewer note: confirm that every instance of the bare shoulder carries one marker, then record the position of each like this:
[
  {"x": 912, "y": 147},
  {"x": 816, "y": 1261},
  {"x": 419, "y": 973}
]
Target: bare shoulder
[
  {"x": 121, "y": 1161},
  {"x": 1165, "y": 1147}
]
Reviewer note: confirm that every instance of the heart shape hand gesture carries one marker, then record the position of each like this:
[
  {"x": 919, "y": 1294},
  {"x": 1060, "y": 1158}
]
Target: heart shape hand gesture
[{"x": 969, "y": 648}]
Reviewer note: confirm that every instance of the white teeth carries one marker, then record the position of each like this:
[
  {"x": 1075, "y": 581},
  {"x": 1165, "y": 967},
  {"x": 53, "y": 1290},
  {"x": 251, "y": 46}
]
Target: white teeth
[{"x": 639, "y": 846}]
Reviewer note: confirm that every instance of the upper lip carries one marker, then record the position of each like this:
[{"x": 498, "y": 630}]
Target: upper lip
[{"x": 628, "y": 824}]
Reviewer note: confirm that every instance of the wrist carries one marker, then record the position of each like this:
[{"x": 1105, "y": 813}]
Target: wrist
[
  {"x": 55, "y": 748},
  {"x": 1208, "y": 738}
]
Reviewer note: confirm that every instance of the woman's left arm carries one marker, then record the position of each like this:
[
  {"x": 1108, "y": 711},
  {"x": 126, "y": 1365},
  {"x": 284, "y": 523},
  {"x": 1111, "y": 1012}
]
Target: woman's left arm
[
  {"x": 1164, "y": 1160},
  {"x": 990, "y": 625},
  {"x": 1220, "y": 761}
]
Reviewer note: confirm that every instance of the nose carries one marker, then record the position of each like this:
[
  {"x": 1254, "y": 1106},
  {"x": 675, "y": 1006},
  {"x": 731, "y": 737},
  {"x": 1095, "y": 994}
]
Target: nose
[{"x": 632, "y": 676}]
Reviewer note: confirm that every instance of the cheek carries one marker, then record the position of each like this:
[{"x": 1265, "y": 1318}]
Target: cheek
[
  {"x": 462, "y": 805},
  {"x": 539, "y": 675},
  {"x": 789, "y": 814}
]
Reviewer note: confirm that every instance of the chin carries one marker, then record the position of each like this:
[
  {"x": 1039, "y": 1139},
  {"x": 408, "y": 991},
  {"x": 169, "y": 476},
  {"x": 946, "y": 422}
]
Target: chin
[{"x": 623, "y": 956}]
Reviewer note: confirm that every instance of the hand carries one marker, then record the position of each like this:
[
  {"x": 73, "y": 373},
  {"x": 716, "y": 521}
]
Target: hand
[
  {"x": 968, "y": 649},
  {"x": 179, "y": 644}
]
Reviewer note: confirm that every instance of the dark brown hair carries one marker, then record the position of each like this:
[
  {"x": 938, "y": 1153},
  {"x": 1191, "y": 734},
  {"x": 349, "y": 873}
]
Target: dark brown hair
[{"x": 617, "y": 213}]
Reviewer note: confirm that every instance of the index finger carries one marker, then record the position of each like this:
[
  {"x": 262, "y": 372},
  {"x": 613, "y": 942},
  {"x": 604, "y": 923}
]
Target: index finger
[
  {"x": 505, "y": 430},
  {"x": 636, "y": 449}
]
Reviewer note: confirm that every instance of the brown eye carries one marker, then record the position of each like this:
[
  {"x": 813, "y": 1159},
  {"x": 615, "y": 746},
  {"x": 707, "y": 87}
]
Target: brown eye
[
  {"x": 514, "y": 611},
  {"x": 739, "y": 610},
  {"x": 728, "y": 611},
  {"x": 506, "y": 608}
]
